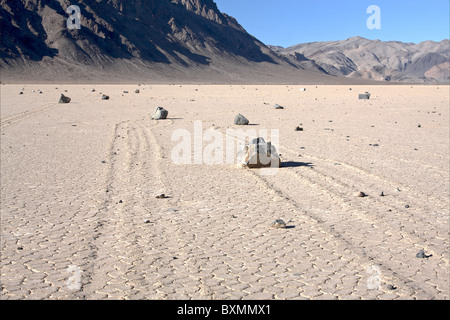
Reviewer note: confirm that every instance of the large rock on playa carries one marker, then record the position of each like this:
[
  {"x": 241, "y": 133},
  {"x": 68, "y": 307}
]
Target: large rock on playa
[
  {"x": 259, "y": 154},
  {"x": 240, "y": 120},
  {"x": 160, "y": 114},
  {"x": 64, "y": 99}
]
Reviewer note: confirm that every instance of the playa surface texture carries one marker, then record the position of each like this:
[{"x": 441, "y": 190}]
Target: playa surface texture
[{"x": 80, "y": 218}]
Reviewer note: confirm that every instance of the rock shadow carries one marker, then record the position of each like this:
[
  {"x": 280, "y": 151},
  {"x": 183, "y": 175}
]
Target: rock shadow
[{"x": 296, "y": 164}]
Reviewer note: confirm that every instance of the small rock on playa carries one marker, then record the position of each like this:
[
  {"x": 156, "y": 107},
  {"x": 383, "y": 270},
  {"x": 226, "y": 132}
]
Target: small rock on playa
[
  {"x": 278, "y": 224},
  {"x": 364, "y": 96},
  {"x": 160, "y": 114},
  {"x": 64, "y": 99},
  {"x": 240, "y": 120},
  {"x": 421, "y": 255}
]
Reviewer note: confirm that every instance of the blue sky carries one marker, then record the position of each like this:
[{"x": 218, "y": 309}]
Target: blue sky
[{"x": 290, "y": 22}]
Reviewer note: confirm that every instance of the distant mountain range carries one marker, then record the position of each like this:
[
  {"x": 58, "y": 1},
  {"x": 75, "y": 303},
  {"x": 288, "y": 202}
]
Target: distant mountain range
[
  {"x": 187, "y": 41},
  {"x": 135, "y": 40},
  {"x": 358, "y": 57}
]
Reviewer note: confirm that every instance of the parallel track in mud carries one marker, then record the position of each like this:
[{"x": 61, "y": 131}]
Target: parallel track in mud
[
  {"x": 354, "y": 225},
  {"x": 8, "y": 121},
  {"x": 169, "y": 257}
]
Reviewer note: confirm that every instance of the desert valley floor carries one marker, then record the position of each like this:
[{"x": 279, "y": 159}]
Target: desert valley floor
[{"x": 80, "y": 218}]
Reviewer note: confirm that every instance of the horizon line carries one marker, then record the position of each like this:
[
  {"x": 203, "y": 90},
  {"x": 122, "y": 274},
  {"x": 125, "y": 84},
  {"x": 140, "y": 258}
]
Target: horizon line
[{"x": 309, "y": 42}]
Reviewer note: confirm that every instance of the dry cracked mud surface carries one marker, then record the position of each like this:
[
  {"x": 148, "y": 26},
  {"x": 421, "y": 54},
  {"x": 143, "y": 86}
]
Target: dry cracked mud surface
[{"x": 80, "y": 218}]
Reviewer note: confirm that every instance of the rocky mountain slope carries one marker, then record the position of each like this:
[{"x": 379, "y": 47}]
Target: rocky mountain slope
[
  {"x": 358, "y": 57},
  {"x": 161, "y": 40},
  {"x": 188, "y": 41}
]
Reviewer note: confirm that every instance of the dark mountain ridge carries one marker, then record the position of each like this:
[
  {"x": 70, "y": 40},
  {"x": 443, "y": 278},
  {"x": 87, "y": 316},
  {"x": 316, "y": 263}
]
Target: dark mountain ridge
[
  {"x": 138, "y": 38},
  {"x": 152, "y": 30}
]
